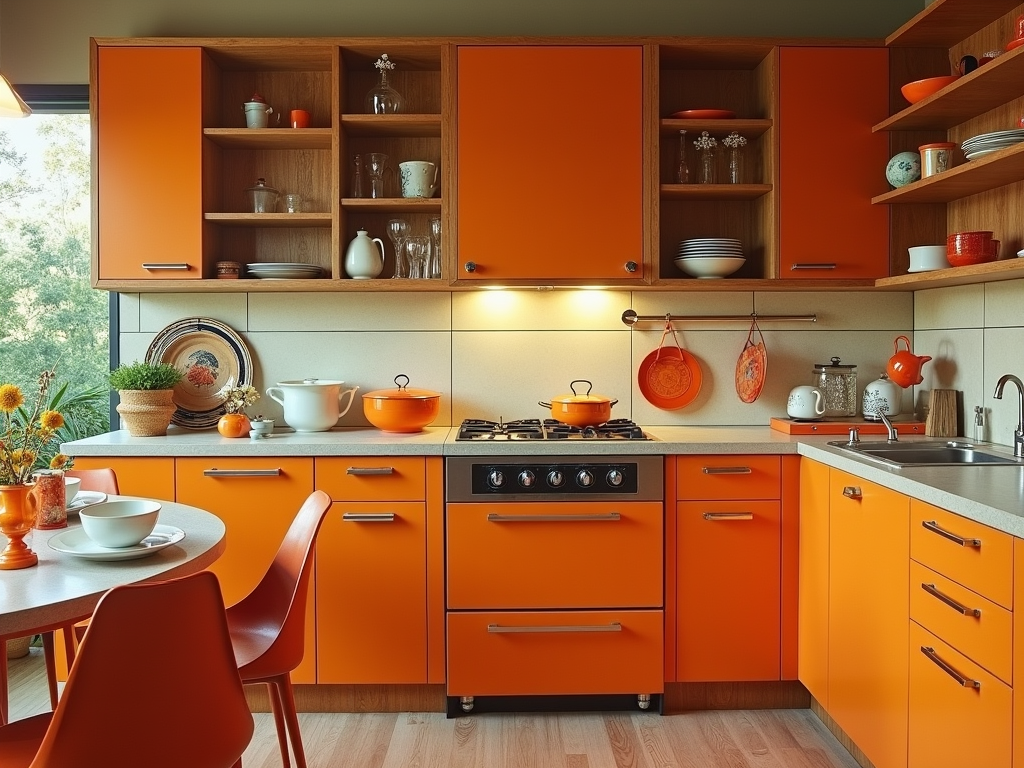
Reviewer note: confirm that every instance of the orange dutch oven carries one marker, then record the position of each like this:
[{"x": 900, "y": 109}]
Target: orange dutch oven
[
  {"x": 584, "y": 410},
  {"x": 401, "y": 409}
]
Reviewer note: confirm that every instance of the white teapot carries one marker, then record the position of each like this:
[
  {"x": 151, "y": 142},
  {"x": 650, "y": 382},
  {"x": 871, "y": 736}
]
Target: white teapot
[{"x": 805, "y": 403}]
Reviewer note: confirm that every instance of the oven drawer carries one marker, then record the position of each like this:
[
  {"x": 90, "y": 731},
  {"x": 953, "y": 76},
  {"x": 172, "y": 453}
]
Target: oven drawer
[
  {"x": 372, "y": 478},
  {"x": 728, "y": 476},
  {"x": 555, "y": 555},
  {"x": 566, "y": 652}
]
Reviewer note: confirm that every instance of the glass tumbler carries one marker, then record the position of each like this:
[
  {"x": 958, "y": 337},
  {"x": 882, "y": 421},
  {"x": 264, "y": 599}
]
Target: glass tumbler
[
  {"x": 434, "y": 271},
  {"x": 376, "y": 164},
  {"x": 416, "y": 250}
]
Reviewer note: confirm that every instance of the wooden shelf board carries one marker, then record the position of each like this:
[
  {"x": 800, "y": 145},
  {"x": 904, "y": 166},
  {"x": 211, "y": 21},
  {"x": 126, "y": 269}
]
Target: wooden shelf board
[
  {"x": 250, "y": 285},
  {"x": 270, "y": 138},
  {"x": 730, "y": 284},
  {"x": 996, "y": 170},
  {"x": 714, "y": 53},
  {"x": 749, "y": 129},
  {"x": 945, "y": 23},
  {"x": 391, "y": 125},
  {"x": 273, "y": 220},
  {"x": 987, "y": 87},
  {"x": 393, "y": 204},
  {"x": 714, "y": 191},
  {"x": 993, "y": 271}
]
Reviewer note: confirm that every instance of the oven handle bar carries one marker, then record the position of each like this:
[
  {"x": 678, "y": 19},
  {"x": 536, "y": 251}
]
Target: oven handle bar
[
  {"x": 493, "y": 517},
  {"x": 505, "y": 629}
]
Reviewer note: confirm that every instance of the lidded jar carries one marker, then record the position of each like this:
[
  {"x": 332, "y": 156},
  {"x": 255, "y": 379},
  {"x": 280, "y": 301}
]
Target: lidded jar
[
  {"x": 838, "y": 386},
  {"x": 262, "y": 199},
  {"x": 883, "y": 395}
]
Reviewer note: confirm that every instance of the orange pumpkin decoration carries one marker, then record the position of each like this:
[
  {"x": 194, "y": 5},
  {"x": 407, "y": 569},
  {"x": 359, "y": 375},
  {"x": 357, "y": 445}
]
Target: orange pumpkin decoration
[{"x": 234, "y": 425}]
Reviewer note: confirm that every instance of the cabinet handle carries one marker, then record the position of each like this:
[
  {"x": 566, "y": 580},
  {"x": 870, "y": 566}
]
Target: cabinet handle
[
  {"x": 813, "y": 266},
  {"x": 368, "y": 517},
  {"x": 471, "y": 266},
  {"x": 954, "y": 604},
  {"x": 241, "y": 472},
  {"x": 631, "y": 266},
  {"x": 506, "y": 629},
  {"x": 966, "y": 682},
  {"x": 933, "y": 526},
  {"x": 713, "y": 516},
  {"x": 178, "y": 265},
  {"x": 496, "y": 518},
  {"x": 852, "y": 492},
  {"x": 370, "y": 471},
  {"x": 726, "y": 470}
]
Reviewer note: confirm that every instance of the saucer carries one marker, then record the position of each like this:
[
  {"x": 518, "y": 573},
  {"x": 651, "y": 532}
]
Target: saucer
[
  {"x": 85, "y": 499},
  {"x": 76, "y": 542}
]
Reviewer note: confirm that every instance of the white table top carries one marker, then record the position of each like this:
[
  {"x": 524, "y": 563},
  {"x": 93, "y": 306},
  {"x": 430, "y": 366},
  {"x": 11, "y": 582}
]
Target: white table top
[{"x": 64, "y": 588}]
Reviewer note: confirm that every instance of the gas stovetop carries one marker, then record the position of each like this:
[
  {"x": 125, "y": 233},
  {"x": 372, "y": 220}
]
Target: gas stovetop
[{"x": 548, "y": 429}]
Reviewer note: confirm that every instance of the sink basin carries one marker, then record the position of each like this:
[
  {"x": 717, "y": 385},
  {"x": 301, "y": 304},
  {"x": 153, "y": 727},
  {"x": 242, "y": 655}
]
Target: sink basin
[{"x": 923, "y": 454}]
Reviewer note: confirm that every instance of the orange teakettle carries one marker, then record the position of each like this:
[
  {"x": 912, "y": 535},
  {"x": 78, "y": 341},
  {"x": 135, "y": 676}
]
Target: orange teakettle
[{"x": 904, "y": 367}]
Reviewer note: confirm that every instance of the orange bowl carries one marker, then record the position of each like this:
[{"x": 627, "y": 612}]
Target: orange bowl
[{"x": 921, "y": 89}]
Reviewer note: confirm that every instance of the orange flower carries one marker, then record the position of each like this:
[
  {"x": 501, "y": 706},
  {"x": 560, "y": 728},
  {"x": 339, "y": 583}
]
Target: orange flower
[
  {"x": 10, "y": 398},
  {"x": 51, "y": 420}
]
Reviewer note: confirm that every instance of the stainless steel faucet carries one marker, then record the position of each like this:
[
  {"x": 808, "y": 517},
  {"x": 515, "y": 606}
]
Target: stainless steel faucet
[
  {"x": 892, "y": 435},
  {"x": 1018, "y": 433}
]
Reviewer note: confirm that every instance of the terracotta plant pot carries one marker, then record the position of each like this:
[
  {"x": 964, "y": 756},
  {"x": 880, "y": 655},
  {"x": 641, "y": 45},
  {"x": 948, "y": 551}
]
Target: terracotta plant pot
[
  {"x": 146, "y": 412},
  {"x": 234, "y": 425}
]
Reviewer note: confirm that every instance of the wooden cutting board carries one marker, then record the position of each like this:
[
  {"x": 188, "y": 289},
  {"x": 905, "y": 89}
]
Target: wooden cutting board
[{"x": 843, "y": 426}]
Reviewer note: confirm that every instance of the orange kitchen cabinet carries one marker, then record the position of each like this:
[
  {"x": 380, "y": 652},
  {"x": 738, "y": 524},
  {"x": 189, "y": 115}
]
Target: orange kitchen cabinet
[
  {"x": 550, "y": 162},
  {"x": 812, "y": 640},
  {"x": 149, "y": 476},
  {"x": 1018, "y": 656},
  {"x": 831, "y": 164},
  {"x": 728, "y": 477},
  {"x": 372, "y": 478},
  {"x": 728, "y": 587},
  {"x": 256, "y": 498},
  {"x": 148, "y": 164},
  {"x": 869, "y": 551}
]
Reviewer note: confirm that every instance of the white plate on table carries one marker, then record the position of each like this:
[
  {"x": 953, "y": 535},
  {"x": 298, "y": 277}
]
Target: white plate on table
[
  {"x": 75, "y": 541},
  {"x": 85, "y": 499}
]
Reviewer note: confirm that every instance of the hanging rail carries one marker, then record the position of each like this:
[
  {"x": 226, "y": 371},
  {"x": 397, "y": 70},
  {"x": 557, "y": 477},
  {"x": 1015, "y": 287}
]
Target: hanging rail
[{"x": 629, "y": 317}]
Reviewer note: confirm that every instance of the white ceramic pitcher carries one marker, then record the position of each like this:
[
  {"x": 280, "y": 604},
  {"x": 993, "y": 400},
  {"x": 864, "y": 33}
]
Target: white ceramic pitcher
[
  {"x": 362, "y": 259},
  {"x": 311, "y": 405}
]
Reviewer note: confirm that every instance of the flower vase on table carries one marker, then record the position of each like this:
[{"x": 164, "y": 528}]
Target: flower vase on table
[{"x": 17, "y": 516}]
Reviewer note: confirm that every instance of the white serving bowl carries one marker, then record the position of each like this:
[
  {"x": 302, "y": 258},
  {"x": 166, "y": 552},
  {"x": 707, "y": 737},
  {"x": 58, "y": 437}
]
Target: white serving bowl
[
  {"x": 122, "y": 523},
  {"x": 924, "y": 258},
  {"x": 710, "y": 267},
  {"x": 71, "y": 487}
]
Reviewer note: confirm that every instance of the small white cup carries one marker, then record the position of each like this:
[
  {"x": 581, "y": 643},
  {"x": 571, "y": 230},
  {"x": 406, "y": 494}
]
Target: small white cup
[
  {"x": 924, "y": 258},
  {"x": 257, "y": 114},
  {"x": 805, "y": 403},
  {"x": 418, "y": 178}
]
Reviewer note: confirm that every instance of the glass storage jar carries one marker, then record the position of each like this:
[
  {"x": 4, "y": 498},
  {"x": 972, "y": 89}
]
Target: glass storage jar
[{"x": 838, "y": 386}]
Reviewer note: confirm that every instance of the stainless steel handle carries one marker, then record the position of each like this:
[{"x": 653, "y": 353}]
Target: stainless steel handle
[
  {"x": 505, "y": 629},
  {"x": 496, "y": 518},
  {"x": 368, "y": 517},
  {"x": 954, "y": 604},
  {"x": 728, "y": 516},
  {"x": 370, "y": 471},
  {"x": 966, "y": 682},
  {"x": 241, "y": 472},
  {"x": 178, "y": 265},
  {"x": 726, "y": 470},
  {"x": 932, "y": 526},
  {"x": 852, "y": 492},
  {"x": 813, "y": 266},
  {"x": 470, "y": 266},
  {"x": 631, "y": 266}
]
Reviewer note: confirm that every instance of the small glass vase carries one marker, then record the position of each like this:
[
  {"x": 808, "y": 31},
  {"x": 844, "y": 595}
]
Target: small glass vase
[
  {"x": 706, "y": 165},
  {"x": 682, "y": 170},
  {"x": 734, "y": 165},
  {"x": 382, "y": 99},
  {"x": 17, "y": 516}
]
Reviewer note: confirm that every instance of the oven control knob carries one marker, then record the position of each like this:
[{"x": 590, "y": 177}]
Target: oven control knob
[
  {"x": 615, "y": 478},
  {"x": 555, "y": 478},
  {"x": 584, "y": 478},
  {"x": 495, "y": 478},
  {"x": 526, "y": 478}
]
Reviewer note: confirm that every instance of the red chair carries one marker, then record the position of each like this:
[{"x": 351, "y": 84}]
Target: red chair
[
  {"x": 267, "y": 626},
  {"x": 155, "y": 684}
]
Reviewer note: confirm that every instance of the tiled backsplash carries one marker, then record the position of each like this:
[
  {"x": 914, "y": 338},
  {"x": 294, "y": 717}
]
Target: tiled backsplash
[{"x": 497, "y": 353}]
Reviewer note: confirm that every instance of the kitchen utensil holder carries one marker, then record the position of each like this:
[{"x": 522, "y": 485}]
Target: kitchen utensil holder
[{"x": 629, "y": 317}]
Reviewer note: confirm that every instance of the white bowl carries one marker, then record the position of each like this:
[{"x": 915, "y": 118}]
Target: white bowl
[
  {"x": 710, "y": 267},
  {"x": 924, "y": 258},
  {"x": 71, "y": 487},
  {"x": 117, "y": 524}
]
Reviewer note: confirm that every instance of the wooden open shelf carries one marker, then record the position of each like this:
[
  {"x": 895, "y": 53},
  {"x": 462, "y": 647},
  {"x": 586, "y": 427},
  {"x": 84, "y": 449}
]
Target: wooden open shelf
[
  {"x": 392, "y": 125},
  {"x": 994, "y": 271},
  {"x": 270, "y": 138},
  {"x": 747, "y": 128},
  {"x": 714, "y": 191},
  {"x": 946, "y": 22},
  {"x": 393, "y": 204},
  {"x": 270, "y": 219},
  {"x": 990, "y": 172}
]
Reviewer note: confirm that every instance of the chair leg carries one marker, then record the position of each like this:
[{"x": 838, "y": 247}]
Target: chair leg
[
  {"x": 51, "y": 667},
  {"x": 3, "y": 683},
  {"x": 287, "y": 696},
  {"x": 277, "y": 707}
]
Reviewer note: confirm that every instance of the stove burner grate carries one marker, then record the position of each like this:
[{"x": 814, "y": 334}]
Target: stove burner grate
[{"x": 548, "y": 429}]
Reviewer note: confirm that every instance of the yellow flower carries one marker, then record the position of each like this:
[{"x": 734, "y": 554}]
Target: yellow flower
[
  {"x": 51, "y": 420},
  {"x": 10, "y": 398},
  {"x": 59, "y": 461},
  {"x": 22, "y": 459}
]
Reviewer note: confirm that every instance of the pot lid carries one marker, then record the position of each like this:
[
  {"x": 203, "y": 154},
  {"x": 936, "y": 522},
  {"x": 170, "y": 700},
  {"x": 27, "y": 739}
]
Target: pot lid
[
  {"x": 833, "y": 367},
  {"x": 257, "y": 98},
  {"x": 402, "y": 392},
  {"x": 261, "y": 186},
  {"x": 577, "y": 398},
  {"x": 310, "y": 383}
]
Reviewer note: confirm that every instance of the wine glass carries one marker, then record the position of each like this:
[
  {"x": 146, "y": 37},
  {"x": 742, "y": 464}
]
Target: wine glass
[
  {"x": 376, "y": 164},
  {"x": 398, "y": 230},
  {"x": 434, "y": 271},
  {"x": 416, "y": 252}
]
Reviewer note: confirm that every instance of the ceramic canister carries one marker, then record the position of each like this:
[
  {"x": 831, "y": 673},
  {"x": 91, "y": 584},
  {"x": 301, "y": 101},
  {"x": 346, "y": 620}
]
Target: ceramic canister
[{"x": 882, "y": 394}]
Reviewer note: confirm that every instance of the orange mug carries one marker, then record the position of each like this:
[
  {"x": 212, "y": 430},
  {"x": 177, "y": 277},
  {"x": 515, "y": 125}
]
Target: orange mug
[{"x": 300, "y": 118}]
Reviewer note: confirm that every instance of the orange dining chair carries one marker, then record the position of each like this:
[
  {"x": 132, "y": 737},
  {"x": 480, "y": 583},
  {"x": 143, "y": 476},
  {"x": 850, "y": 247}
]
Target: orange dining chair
[
  {"x": 268, "y": 625},
  {"x": 155, "y": 684}
]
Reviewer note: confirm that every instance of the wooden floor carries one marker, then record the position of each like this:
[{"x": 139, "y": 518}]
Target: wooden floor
[{"x": 792, "y": 738}]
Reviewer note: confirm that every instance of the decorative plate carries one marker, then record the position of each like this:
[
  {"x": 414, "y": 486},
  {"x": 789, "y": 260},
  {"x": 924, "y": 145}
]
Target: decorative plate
[
  {"x": 85, "y": 499},
  {"x": 212, "y": 356},
  {"x": 75, "y": 541},
  {"x": 1015, "y": 43},
  {"x": 704, "y": 114},
  {"x": 751, "y": 367}
]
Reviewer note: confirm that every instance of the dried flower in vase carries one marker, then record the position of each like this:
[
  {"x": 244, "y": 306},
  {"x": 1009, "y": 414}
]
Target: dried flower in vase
[
  {"x": 382, "y": 99},
  {"x": 734, "y": 140},
  {"x": 705, "y": 145},
  {"x": 237, "y": 399}
]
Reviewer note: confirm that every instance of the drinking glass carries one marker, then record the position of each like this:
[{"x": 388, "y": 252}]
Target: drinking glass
[
  {"x": 434, "y": 270},
  {"x": 398, "y": 229},
  {"x": 416, "y": 252},
  {"x": 376, "y": 164}
]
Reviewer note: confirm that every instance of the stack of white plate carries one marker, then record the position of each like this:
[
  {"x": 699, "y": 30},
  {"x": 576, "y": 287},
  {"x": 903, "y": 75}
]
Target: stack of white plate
[
  {"x": 283, "y": 271},
  {"x": 709, "y": 257},
  {"x": 987, "y": 143}
]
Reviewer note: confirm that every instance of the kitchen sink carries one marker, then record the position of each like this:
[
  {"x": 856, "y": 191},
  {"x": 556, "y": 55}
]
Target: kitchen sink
[{"x": 924, "y": 454}]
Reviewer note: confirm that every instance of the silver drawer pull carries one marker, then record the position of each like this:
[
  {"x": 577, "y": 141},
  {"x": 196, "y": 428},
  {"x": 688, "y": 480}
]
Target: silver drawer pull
[
  {"x": 241, "y": 472},
  {"x": 178, "y": 265},
  {"x": 368, "y": 517},
  {"x": 496, "y": 518},
  {"x": 505, "y": 629},
  {"x": 824, "y": 265},
  {"x": 713, "y": 516},
  {"x": 852, "y": 492},
  {"x": 954, "y": 604},
  {"x": 932, "y": 526},
  {"x": 726, "y": 470},
  {"x": 966, "y": 682},
  {"x": 370, "y": 471}
]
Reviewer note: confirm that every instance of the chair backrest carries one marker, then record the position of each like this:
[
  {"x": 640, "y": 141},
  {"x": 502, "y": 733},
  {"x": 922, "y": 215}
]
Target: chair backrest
[
  {"x": 155, "y": 684},
  {"x": 277, "y": 605},
  {"x": 103, "y": 480}
]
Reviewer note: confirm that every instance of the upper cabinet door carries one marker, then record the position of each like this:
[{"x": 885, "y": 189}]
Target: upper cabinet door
[
  {"x": 550, "y": 163},
  {"x": 148, "y": 122},
  {"x": 831, "y": 164}
]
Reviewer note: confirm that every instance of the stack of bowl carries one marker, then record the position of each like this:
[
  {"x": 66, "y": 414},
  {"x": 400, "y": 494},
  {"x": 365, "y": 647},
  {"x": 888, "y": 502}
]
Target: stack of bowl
[
  {"x": 966, "y": 248},
  {"x": 710, "y": 257}
]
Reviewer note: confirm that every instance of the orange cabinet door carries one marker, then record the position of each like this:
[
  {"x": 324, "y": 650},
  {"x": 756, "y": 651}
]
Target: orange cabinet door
[
  {"x": 831, "y": 164},
  {"x": 371, "y": 599},
  {"x": 372, "y": 478},
  {"x": 869, "y": 551},
  {"x": 1018, "y": 655},
  {"x": 550, "y": 162},
  {"x": 257, "y": 500},
  {"x": 728, "y": 587},
  {"x": 148, "y": 195},
  {"x": 728, "y": 477},
  {"x": 812, "y": 638},
  {"x": 149, "y": 476}
]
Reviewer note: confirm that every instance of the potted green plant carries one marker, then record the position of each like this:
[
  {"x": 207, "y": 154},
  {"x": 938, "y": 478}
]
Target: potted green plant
[{"x": 146, "y": 391}]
